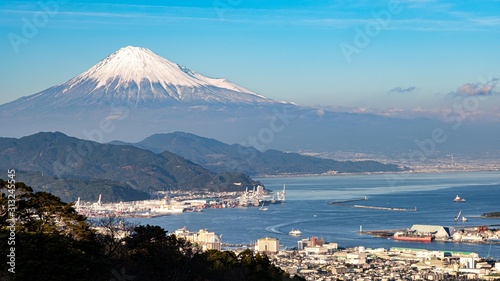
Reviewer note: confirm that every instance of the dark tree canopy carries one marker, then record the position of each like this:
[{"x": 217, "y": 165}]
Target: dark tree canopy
[{"x": 53, "y": 242}]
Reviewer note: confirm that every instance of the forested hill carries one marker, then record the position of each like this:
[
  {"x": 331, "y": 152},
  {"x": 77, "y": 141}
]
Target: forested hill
[
  {"x": 218, "y": 156},
  {"x": 65, "y": 165}
]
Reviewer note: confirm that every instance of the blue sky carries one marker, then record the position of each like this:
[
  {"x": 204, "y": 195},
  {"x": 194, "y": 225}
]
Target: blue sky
[{"x": 404, "y": 57}]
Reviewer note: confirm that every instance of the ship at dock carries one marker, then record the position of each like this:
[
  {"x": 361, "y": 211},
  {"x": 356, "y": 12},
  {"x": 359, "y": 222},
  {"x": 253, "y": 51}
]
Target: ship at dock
[
  {"x": 260, "y": 197},
  {"x": 412, "y": 236}
]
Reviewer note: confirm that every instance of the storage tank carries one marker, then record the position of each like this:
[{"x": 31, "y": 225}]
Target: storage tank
[{"x": 457, "y": 236}]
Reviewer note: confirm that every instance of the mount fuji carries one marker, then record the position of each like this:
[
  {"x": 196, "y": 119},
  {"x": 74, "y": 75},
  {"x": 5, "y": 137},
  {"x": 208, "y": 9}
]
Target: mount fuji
[
  {"x": 134, "y": 93},
  {"x": 137, "y": 76}
]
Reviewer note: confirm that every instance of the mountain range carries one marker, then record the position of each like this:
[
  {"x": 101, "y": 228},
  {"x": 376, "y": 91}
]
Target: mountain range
[
  {"x": 69, "y": 168},
  {"x": 220, "y": 157},
  {"x": 134, "y": 93}
]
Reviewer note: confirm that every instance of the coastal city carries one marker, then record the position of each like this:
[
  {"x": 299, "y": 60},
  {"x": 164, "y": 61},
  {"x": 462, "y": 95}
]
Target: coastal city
[
  {"x": 314, "y": 259},
  {"x": 436, "y": 164},
  {"x": 232, "y": 140}
]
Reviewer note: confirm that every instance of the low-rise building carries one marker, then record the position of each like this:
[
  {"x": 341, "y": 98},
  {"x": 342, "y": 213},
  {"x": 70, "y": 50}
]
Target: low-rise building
[
  {"x": 203, "y": 239},
  {"x": 340, "y": 270},
  {"x": 267, "y": 245},
  {"x": 427, "y": 255},
  {"x": 316, "y": 250},
  {"x": 356, "y": 258}
]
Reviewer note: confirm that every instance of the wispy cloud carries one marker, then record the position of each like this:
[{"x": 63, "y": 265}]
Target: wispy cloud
[
  {"x": 425, "y": 15},
  {"x": 400, "y": 90},
  {"x": 11, "y": 12},
  {"x": 487, "y": 21}
]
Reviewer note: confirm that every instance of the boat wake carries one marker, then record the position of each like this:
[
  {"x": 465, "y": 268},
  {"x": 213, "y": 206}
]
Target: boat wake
[{"x": 275, "y": 228}]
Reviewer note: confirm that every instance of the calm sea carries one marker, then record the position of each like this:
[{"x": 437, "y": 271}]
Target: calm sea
[{"x": 306, "y": 209}]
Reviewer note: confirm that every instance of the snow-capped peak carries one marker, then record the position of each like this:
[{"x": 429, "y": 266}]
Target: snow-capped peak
[
  {"x": 135, "y": 64},
  {"x": 145, "y": 68},
  {"x": 134, "y": 75}
]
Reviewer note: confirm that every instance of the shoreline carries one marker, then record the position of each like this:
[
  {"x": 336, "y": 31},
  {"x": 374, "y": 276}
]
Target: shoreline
[{"x": 297, "y": 175}]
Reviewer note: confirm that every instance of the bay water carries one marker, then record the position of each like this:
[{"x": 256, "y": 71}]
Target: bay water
[{"x": 307, "y": 209}]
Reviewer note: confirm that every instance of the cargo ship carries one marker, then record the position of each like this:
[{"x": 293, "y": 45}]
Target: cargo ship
[{"x": 409, "y": 236}]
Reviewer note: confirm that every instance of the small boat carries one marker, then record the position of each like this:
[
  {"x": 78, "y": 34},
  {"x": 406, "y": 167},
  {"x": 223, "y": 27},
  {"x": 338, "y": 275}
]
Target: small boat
[
  {"x": 262, "y": 208},
  {"x": 295, "y": 232},
  {"x": 458, "y": 199},
  {"x": 462, "y": 218}
]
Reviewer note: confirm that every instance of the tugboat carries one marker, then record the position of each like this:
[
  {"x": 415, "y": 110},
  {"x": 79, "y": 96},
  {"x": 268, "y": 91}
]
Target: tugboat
[{"x": 458, "y": 199}]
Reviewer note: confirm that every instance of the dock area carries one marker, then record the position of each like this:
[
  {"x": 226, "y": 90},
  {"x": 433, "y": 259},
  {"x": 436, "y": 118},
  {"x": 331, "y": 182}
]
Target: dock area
[
  {"x": 177, "y": 202},
  {"x": 470, "y": 234}
]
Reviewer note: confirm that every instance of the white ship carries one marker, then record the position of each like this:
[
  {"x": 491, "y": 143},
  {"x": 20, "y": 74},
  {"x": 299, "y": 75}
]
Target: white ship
[
  {"x": 295, "y": 232},
  {"x": 167, "y": 206},
  {"x": 168, "y": 209}
]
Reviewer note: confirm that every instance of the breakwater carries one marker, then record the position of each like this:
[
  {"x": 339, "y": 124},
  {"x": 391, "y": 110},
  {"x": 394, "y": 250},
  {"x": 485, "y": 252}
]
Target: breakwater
[
  {"x": 386, "y": 208},
  {"x": 345, "y": 204},
  {"x": 342, "y": 202}
]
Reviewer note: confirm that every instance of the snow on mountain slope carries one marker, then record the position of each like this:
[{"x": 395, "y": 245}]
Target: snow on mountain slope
[
  {"x": 136, "y": 64},
  {"x": 134, "y": 75}
]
